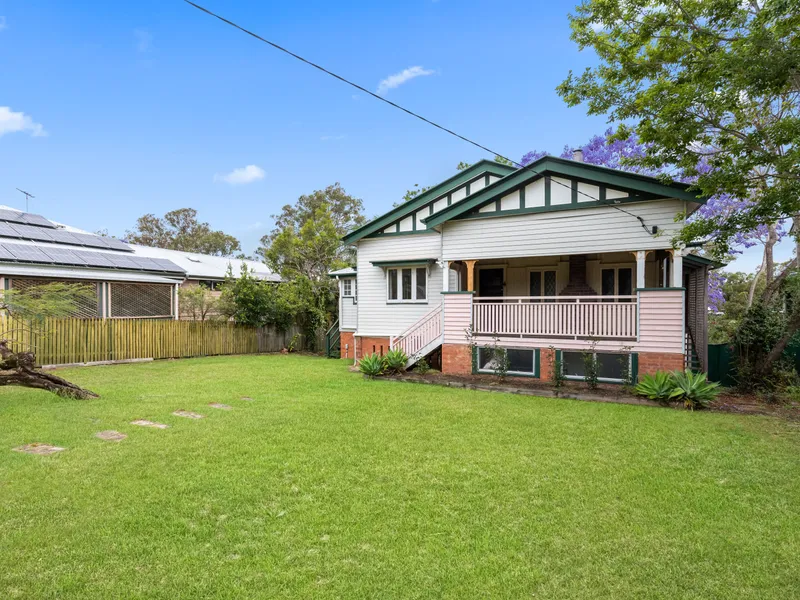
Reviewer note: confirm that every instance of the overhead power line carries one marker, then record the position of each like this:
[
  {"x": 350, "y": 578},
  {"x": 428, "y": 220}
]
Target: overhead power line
[{"x": 390, "y": 103}]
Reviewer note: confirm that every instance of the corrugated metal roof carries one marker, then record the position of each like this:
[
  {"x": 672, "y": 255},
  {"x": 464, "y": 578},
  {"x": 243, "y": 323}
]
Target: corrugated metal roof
[{"x": 202, "y": 266}]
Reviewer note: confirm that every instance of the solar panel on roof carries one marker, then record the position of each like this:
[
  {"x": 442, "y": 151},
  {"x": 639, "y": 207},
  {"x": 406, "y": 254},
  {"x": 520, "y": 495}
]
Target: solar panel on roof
[
  {"x": 122, "y": 261},
  {"x": 7, "y": 230},
  {"x": 167, "y": 265},
  {"x": 63, "y": 256},
  {"x": 117, "y": 244},
  {"x": 27, "y": 253},
  {"x": 38, "y": 220},
  {"x": 9, "y": 215},
  {"x": 64, "y": 237},
  {"x": 5, "y": 254},
  {"x": 29, "y": 232},
  {"x": 145, "y": 263}
]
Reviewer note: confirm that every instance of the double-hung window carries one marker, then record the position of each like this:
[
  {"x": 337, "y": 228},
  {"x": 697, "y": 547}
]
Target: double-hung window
[
  {"x": 347, "y": 287},
  {"x": 407, "y": 284}
]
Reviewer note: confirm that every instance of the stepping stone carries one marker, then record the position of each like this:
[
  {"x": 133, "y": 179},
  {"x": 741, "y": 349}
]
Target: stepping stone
[
  {"x": 146, "y": 423},
  {"x": 188, "y": 414},
  {"x": 111, "y": 436},
  {"x": 247, "y": 398},
  {"x": 38, "y": 448},
  {"x": 220, "y": 406}
]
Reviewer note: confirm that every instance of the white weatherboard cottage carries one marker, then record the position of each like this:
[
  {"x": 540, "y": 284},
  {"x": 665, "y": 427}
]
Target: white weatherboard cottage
[{"x": 559, "y": 257}]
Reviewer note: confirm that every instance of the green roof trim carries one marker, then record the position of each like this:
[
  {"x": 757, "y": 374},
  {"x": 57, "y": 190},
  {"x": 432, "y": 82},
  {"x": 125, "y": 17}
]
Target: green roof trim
[
  {"x": 603, "y": 176},
  {"x": 402, "y": 263},
  {"x": 702, "y": 261},
  {"x": 399, "y": 212}
]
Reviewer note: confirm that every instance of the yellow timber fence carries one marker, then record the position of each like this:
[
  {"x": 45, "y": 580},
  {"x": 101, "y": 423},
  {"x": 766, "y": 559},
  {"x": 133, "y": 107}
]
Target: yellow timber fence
[{"x": 67, "y": 341}]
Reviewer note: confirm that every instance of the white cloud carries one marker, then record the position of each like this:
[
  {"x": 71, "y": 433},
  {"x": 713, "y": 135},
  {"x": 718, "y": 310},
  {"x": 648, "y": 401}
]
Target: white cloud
[
  {"x": 252, "y": 226},
  {"x": 398, "y": 79},
  {"x": 328, "y": 138},
  {"x": 247, "y": 174},
  {"x": 3, "y": 24},
  {"x": 144, "y": 40},
  {"x": 11, "y": 122}
]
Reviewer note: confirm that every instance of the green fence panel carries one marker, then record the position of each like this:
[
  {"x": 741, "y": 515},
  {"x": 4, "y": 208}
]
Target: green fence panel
[{"x": 720, "y": 364}]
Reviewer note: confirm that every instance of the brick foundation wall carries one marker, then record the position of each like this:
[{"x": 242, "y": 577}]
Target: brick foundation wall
[
  {"x": 346, "y": 344},
  {"x": 547, "y": 359},
  {"x": 650, "y": 362},
  {"x": 456, "y": 359},
  {"x": 369, "y": 345}
]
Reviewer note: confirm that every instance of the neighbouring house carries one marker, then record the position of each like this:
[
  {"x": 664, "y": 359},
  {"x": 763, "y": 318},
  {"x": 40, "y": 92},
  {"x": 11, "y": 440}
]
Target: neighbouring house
[
  {"x": 204, "y": 270},
  {"x": 548, "y": 262},
  {"x": 130, "y": 281}
]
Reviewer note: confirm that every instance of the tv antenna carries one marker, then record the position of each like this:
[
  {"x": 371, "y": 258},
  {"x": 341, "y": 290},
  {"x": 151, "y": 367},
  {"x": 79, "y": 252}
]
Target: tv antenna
[{"x": 28, "y": 196}]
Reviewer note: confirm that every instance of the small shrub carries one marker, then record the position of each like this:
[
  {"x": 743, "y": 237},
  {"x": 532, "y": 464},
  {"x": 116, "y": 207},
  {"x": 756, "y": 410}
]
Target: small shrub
[
  {"x": 590, "y": 370},
  {"x": 373, "y": 365},
  {"x": 557, "y": 370},
  {"x": 694, "y": 389},
  {"x": 396, "y": 360},
  {"x": 500, "y": 361},
  {"x": 422, "y": 366},
  {"x": 658, "y": 386}
]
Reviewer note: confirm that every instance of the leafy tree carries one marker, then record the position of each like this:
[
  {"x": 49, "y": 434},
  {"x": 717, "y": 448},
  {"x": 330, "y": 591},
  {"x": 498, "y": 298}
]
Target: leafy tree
[
  {"x": 30, "y": 308},
  {"x": 249, "y": 300},
  {"x": 197, "y": 302},
  {"x": 712, "y": 88},
  {"x": 180, "y": 230}
]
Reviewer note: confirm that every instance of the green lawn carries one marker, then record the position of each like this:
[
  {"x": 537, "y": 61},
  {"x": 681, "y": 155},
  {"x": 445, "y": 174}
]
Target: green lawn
[{"x": 330, "y": 486}]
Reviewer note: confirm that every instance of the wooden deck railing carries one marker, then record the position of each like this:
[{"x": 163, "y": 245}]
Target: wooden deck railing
[{"x": 576, "y": 317}]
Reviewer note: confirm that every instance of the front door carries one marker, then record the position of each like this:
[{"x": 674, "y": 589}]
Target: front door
[{"x": 490, "y": 282}]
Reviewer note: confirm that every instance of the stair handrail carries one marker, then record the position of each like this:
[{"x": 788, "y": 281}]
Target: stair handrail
[{"x": 417, "y": 324}]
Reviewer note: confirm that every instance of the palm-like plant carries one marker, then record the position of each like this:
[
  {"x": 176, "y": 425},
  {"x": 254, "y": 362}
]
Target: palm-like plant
[
  {"x": 396, "y": 360},
  {"x": 694, "y": 389},
  {"x": 658, "y": 386},
  {"x": 372, "y": 365}
]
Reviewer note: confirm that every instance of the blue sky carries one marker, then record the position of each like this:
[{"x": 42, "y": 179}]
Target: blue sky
[{"x": 148, "y": 106}]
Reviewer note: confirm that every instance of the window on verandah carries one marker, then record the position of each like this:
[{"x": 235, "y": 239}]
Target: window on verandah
[{"x": 542, "y": 283}]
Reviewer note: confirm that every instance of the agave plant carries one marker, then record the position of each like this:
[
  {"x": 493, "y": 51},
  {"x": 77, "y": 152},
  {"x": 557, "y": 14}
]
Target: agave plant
[
  {"x": 372, "y": 365},
  {"x": 658, "y": 386},
  {"x": 396, "y": 360},
  {"x": 693, "y": 389}
]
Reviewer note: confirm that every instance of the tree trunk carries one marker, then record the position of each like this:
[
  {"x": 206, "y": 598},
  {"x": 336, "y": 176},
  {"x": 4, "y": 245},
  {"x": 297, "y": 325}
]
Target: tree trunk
[
  {"x": 17, "y": 368},
  {"x": 751, "y": 293},
  {"x": 769, "y": 257},
  {"x": 775, "y": 353}
]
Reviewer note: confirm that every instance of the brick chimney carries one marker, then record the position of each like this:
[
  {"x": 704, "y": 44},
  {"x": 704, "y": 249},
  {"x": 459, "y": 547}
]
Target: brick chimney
[{"x": 577, "y": 285}]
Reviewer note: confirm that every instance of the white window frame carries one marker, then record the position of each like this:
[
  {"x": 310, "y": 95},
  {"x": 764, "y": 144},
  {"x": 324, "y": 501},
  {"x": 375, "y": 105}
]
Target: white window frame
[
  {"x": 345, "y": 292},
  {"x": 616, "y": 268},
  {"x": 399, "y": 275},
  {"x": 541, "y": 271},
  {"x": 600, "y": 379}
]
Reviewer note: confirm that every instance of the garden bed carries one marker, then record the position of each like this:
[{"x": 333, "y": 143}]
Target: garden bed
[{"x": 729, "y": 401}]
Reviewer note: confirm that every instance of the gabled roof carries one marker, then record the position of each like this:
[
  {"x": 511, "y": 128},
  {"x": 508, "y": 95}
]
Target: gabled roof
[
  {"x": 649, "y": 186},
  {"x": 346, "y": 272},
  {"x": 468, "y": 174}
]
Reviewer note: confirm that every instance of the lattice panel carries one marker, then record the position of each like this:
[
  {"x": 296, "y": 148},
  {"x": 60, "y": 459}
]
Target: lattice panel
[
  {"x": 86, "y": 309},
  {"x": 141, "y": 300}
]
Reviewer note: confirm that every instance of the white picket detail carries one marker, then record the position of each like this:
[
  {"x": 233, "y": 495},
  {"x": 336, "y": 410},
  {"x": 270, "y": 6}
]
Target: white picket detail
[
  {"x": 577, "y": 317},
  {"x": 421, "y": 334}
]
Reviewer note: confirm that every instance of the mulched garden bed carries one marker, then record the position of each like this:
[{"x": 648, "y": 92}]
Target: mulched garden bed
[{"x": 728, "y": 401}]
